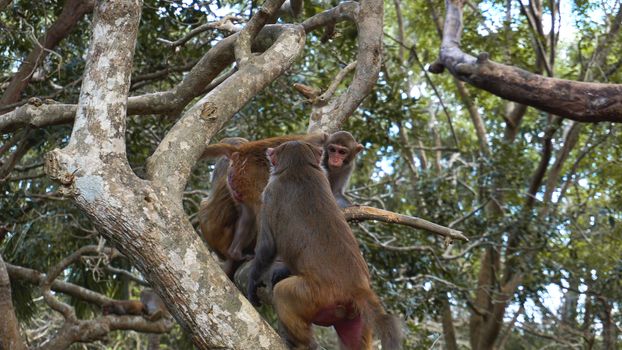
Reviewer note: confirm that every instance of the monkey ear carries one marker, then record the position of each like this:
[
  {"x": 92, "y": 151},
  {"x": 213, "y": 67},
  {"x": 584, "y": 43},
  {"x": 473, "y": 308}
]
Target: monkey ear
[
  {"x": 271, "y": 156},
  {"x": 219, "y": 149},
  {"x": 358, "y": 148}
]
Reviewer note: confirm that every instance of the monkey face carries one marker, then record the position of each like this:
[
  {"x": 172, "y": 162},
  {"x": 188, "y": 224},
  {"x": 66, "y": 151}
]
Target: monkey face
[{"x": 337, "y": 155}]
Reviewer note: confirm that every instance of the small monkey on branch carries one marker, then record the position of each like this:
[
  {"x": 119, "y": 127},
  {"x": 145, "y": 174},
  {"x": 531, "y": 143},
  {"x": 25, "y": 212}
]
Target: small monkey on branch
[
  {"x": 150, "y": 306},
  {"x": 330, "y": 285}
]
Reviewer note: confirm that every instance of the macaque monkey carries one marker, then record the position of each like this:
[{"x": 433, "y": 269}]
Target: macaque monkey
[
  {"x": 123, "y": 307},
  {"x": 301, "y": 222},
  {"x": 225, "y": 224},
  {"x": 150, "y": 306},
  {"x": 153, "y": 306},
  {"x": 247, "y": 175},
  {"x": 339, "y": 153}
]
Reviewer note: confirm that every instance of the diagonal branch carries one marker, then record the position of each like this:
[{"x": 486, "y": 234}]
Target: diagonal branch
[
  {"x": 357, "y": 213},
  {"x": 251, "y": 29},
  {"x": 171, "y": 163},
  {"x": 584, "y": 102}
]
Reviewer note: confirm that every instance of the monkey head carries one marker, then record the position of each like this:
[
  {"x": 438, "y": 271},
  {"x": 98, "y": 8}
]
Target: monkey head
[
  {"x": 293, "y": 154},
  {"x": 341, "y": 148}
]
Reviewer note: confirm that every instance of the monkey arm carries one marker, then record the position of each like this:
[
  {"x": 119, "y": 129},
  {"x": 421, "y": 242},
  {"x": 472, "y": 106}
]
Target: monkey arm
[
  {"x": 265, "y": 253},
  {"x": 342, "y": 201},
  {"x": 244, "y": 234}
]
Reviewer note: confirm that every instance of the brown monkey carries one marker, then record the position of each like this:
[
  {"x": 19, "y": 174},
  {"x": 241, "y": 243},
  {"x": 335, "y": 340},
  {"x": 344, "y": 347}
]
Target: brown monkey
[
  {"x": 123, "y": 307},
  {"x": 150, "y": 306},
  {"x": 301, "y": 222},
  {"x": 247, "y": 176},
  {"x": 340, "y": 150},
  {"x": 153, "y": 306},
  {"x": 339, "y": 153},
  {"x": 224, "y": 223}
]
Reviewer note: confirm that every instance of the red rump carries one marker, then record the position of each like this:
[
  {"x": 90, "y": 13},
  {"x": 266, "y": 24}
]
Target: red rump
[{"x": 347, "y": 322}]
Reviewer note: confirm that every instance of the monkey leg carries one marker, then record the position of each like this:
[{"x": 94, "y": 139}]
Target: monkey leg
[
  {"x": 295, "y": 308},
  {"x": 354, "y": 334}
]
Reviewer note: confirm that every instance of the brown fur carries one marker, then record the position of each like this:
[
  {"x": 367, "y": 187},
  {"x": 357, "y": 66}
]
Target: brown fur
[
  {"x": 228, "y": 216},
  {"x": 339, "y": 153},
  {"x": 154, "y": 308},
  {"x": 123, "y": 307},
  {"x": 302, "y": 223},
  {"x": 220, "y": 215}
]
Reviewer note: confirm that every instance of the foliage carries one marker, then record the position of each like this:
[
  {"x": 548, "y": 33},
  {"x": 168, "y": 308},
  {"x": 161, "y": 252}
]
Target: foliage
[{"x": 576, "y": 244}]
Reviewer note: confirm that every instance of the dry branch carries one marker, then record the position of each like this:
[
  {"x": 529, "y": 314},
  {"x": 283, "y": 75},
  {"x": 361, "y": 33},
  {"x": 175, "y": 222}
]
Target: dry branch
[
  {"x": 583, "y": 102},
  {"x": 358, "y": 213}
]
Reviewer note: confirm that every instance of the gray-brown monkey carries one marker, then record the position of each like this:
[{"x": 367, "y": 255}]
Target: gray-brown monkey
[{"x": 301, "y": 222}]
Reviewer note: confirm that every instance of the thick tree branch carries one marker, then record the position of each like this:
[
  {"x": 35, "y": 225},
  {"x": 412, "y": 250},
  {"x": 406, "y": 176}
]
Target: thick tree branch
[
  {"x": 328, "y": 116},
  {"x": 171, "y": 163},
  {"x": 252, "y": 28},
  {"x": 583, "y": 102},
  {"x": 140, "y": 217}
]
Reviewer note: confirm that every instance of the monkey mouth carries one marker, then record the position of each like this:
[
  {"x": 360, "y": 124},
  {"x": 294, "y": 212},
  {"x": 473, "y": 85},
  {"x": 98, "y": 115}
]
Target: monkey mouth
[{"x": 335, "y": 163}]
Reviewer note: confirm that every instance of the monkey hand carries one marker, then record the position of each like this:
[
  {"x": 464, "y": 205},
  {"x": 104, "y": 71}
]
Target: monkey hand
[
  {"x": 251, "y": 294},
  {"x": 279, "y": 274}
]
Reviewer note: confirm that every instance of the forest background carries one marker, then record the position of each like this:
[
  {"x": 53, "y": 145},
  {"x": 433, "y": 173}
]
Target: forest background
[{"x": 538, "y": 194}]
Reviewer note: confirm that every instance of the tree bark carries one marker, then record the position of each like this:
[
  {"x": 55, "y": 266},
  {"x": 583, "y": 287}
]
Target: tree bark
[
  {"x": 10, "y": 338},
  {"x": 147, "y": 225}
]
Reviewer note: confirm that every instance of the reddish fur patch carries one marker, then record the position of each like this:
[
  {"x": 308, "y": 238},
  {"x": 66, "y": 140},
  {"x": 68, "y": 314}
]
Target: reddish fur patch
[{"x": 347, "y": 322}]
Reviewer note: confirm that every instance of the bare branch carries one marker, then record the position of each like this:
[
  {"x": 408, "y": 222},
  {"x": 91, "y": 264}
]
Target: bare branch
[
  {"x": 335, "y": 83},
  {"x": 358, "y": 213},
  {"x": 36, "y": 277},
  {"x": 584, "y": 102},
  {"x": 225, "y": 24}
]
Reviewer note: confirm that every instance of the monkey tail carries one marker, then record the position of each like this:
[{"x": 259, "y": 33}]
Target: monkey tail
[
  {"x": 219, "y": 149},
  {"x": 386, "y": 326}
]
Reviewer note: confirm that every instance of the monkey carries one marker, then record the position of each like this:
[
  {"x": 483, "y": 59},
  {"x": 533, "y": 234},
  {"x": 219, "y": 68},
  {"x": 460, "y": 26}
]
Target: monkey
[
  {"x": 153, "y": 306},
  {"x": 330, "y": 286},
  {"x": 247, "y": 175},
  {"x": 339, "y": 152},
  {"x": 150, "y": 306},
  {"x": 225, "y": 224},
  {"x": 123, "y": 307}
]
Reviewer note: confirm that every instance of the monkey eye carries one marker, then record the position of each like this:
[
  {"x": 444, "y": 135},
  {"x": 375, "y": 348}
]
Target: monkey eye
[
  {"x": 342, "y": 152},
  {"x": 332, "y": 149}
]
